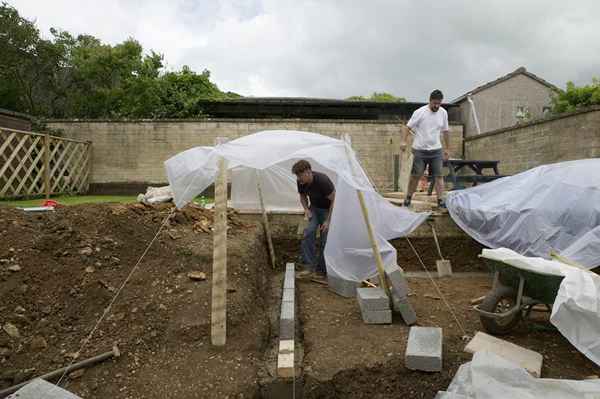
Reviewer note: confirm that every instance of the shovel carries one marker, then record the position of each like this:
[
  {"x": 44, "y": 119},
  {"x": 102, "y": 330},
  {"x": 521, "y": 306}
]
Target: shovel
[{"x": 444, "y": 267}]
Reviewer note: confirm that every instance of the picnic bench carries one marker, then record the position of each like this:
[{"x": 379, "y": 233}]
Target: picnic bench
[{"x": 458, "y": 181}]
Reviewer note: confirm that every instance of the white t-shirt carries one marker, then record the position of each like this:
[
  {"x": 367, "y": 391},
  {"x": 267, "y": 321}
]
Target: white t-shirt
[{"x": 428, "y": 126}]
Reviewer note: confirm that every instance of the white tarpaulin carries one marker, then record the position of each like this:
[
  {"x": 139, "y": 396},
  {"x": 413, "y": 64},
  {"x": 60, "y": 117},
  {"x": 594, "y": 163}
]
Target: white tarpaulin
[
  {"x": 576, "y": 310},
  {"x": 549, "y": 207},
  {"x": 270, "y": 155},
  {"x": 489, "y": 376}
]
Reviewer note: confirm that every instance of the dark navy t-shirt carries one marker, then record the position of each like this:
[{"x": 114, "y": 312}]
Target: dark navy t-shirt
[{"x": 318, "y": 190}]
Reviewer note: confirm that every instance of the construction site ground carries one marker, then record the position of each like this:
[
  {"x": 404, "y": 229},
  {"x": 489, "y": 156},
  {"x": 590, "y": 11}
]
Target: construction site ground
[{"x": 71, "y": 263}]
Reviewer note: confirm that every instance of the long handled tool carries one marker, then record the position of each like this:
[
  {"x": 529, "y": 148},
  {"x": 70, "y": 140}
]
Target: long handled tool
[
  {"x": 57, "y": 373},
  {"x": 444, "y": 267}
]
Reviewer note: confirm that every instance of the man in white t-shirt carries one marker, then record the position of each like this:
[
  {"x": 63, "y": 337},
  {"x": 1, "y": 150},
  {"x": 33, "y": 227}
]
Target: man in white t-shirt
[{"x": 427, "y": 125}]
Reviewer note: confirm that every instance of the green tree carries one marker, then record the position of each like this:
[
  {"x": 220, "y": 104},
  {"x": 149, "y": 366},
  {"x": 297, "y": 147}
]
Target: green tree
[
  {"x": 575, "y": 97},
  {"x": 28, "y": 64},
  {"x": 379, "y": 97},
  {"x": 81, "y": 77}
]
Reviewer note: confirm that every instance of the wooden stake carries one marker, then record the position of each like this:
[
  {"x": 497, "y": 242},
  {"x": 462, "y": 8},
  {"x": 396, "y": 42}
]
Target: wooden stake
[
  {"x": 218, "y": 327},
  {"x": 365, "y": 213},
  {"x": 265, "y": 219},
  {"x": 47, "y": 165}
]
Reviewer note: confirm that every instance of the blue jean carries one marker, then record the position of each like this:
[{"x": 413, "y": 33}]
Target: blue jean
[{"x": 311, "y": 255}]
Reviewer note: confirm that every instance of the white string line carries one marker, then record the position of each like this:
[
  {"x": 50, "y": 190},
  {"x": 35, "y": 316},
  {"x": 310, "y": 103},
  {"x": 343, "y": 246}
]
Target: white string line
[
  {"x": 437, "y": 288},
  {"x": 107, "y": 309}
]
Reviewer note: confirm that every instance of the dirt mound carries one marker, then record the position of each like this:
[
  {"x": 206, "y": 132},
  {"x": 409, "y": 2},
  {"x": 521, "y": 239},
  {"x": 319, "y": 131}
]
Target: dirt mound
[{"x": 59, "y": 270}]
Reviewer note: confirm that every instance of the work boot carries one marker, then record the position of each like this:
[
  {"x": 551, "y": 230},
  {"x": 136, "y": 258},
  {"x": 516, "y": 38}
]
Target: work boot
[
  {"x": 407, "y": 200},
  {"x": 441, "y": 204}
]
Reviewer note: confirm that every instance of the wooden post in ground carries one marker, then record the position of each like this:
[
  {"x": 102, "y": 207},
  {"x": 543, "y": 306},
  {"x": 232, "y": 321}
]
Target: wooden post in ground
[
  {"x": 365, "y": 213},
  {"x": 47, "y": 165},
  {"x": 218, "y": 325},
  {"x": 265, "y": 218}
]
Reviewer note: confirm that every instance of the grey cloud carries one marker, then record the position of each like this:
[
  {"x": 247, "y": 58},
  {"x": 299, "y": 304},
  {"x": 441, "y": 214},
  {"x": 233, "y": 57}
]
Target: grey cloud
[{"x": 340, "y": 48}]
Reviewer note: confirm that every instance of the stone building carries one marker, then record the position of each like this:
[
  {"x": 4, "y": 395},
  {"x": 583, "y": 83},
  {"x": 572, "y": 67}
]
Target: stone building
[{"x": 517, "y": 97}]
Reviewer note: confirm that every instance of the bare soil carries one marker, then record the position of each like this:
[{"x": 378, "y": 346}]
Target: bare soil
[
  {"x": 73, "y": 261},
  {"x": 345, "y": 358}
]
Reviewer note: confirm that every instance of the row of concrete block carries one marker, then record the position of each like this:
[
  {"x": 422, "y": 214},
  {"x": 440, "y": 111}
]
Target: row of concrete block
[{"x": 285, "y": 356}]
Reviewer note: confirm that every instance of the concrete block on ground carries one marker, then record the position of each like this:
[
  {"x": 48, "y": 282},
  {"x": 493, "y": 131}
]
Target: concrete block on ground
[
  {"x": 526, "y": 358},
  {"x": 424, "y": 349},
  {"x": 372, "y": 299},
  {"x": 286, "y": 321},
  {"x": 285, "y": 359},
  {"x": 288, "y": 295},
  {"x": 405, "y": 309},
  {"x": 444, "y": 267},
  {"x": 288, "y": 281},
  {"x": 39, "y": 388},
  {"x": 289, "y": 268},
  {"x": 397, "y": 281},
  {"x": 377, "y": 316},
  {"x": 343, "y": 287}
]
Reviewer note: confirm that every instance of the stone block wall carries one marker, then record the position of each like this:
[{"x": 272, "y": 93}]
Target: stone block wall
[
  {"x": 129, "y": 152},
  {"x": 561, "y": 138}
]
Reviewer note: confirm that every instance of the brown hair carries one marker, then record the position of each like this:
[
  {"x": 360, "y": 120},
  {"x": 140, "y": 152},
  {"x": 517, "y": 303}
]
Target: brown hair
[{"x": 300, "y": 167}]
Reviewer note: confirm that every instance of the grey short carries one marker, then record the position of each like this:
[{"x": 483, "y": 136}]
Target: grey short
[{"x": 433, "y": 159}]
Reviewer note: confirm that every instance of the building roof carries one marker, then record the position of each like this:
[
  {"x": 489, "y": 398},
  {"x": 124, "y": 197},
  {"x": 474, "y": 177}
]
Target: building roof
[
  {"x": 313, "y": 108},
  {"x": 518, "y": 71}
]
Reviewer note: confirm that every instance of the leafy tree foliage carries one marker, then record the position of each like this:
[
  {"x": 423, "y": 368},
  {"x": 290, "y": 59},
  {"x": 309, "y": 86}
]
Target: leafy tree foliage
[
  {"x": 575, "y": 97},
  {"x": 379, "y": 97},
  {"x": 81, "y": 77}
]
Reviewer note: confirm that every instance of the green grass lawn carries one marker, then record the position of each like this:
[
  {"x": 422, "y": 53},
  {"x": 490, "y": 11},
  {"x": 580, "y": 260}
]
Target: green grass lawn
[{"x": 72, "y": 200}]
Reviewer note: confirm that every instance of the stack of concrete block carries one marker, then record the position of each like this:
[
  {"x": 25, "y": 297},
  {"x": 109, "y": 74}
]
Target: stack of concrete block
[
  {"x": 39, "y": 388},
  {"x": 341, "y": 286},
  {"x": 399, "y": 290},
  {"x": 374, "y": 305},
  {"x": 285, "y": 357},
  {"x": 424, "y": 349}
]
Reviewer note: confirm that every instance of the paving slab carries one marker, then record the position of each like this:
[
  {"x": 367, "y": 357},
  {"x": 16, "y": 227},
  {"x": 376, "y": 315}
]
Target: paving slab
[
  {"x": 397, "y": 281},
  {"x": 424, "y": 349},
  {"x": 39, "y": 388},
  {"x": 372, "y": 299},
  {"x": 286, "y": 321},
  {"x": 288, "y": 281},
  {"x": 526, "y": 358}
]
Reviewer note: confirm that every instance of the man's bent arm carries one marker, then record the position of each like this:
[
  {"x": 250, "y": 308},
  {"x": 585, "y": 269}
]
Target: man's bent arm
[
  {"x": 330, "y": 197},
  {"x": 304, "y": 202}
]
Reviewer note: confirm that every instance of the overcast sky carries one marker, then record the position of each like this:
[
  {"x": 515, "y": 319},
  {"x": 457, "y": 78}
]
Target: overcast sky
[{"x": 336, "y": 49}]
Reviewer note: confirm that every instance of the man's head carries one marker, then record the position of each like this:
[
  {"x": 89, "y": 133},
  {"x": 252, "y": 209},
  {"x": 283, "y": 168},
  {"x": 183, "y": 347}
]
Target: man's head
[
  {"x": 303, "y": 171},
  {"x": 435, "y": 100}
]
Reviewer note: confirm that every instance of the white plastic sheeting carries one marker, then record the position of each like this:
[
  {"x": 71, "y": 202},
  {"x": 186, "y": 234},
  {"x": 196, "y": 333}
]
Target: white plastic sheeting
[
  {"x": 270, "y": 155},
  {"x": 549, "y": 207},
  {"x": 576, "y": 310},
  {"x": 489, "y": 376}
]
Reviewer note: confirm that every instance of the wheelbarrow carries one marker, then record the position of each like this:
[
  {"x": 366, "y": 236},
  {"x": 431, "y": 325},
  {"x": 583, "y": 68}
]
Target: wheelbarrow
[{"x": 514, "y": 294}]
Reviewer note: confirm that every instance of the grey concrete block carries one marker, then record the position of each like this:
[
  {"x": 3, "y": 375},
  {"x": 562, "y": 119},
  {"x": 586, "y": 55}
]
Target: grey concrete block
[
  {"x": 286, "y": 320},
  {"x": 397, "y": 281},
  {"x": 405, "y": 309},
  {"x": 372, "y": 299},
  {"x": 289, "y": 281},
  {"x": 343, "y": 287},
  {"x": 287, "y": 310},
  {"x": 377, "y": 316},
  {"x": 286, "y": 329},
  {"x": 424, "y": 349},
  {"x": 39, "y": 388},
  {"x": 289, "y": 268},
  {"x": 288, "y": 295}
]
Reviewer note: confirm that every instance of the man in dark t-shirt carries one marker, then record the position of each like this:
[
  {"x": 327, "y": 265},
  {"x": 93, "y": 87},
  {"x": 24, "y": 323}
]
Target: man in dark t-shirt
[{"x": 317, "y": 196}]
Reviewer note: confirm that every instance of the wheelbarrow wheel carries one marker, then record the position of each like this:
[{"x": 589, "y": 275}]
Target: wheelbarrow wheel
[{"x": 499, "y": 301}]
